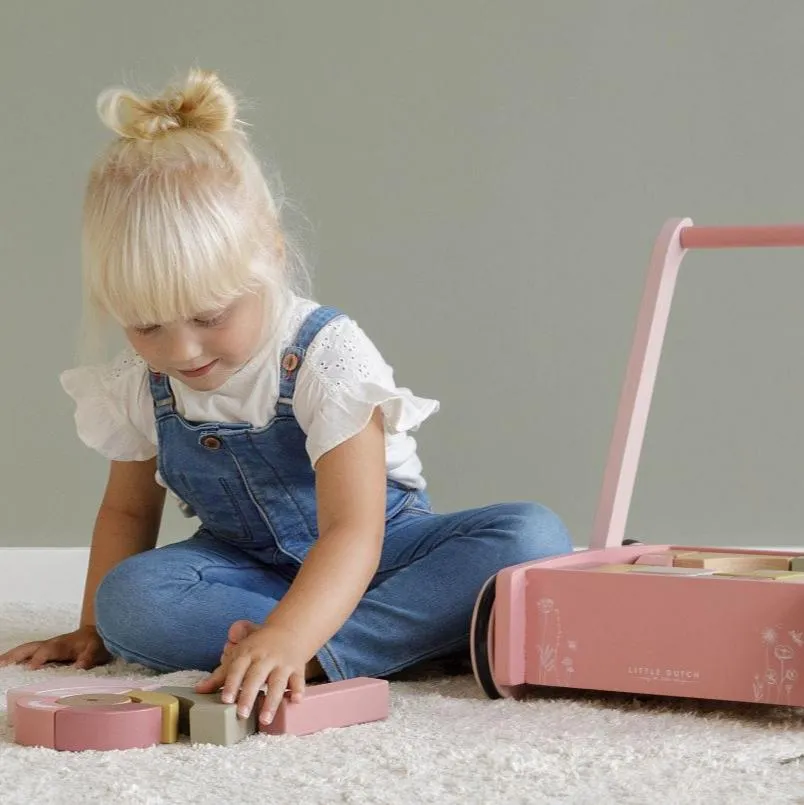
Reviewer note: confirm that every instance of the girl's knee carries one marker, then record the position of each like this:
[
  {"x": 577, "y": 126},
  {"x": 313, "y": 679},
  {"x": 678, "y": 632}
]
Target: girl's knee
[
  {"x": 123, "y": 599},
  {"x": 533, "y": 531}
]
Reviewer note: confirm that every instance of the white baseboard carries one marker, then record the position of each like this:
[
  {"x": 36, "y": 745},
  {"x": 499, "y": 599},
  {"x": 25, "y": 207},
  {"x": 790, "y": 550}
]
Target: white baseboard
[
  {"x": 56, "y": 575},
  {"x": 43, "y": 575}
]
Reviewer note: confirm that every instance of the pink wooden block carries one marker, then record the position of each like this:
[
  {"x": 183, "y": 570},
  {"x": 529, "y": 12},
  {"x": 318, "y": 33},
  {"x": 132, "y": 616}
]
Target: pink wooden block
[
  {"x": 37, "y": 714},
  {"x": 35, "y": 722},
  {"x": 121, "y": 726},
  {"x": 59, "y": 687},
  {"x": 333, "y": 704}
]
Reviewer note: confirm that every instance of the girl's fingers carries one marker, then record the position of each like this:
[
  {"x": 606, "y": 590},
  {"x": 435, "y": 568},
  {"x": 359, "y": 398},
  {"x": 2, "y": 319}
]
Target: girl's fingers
[
  {"x": 277, "y": 685},
  {"x": 234, "y": 679},
  {"x": 49, "y": 652},
  {"x": 250, "y": 687},
  {"x": 213, "y": 682},
  {"x": 86, "y": 659},
  {"x": 19, "y": 654},
  {"x": 296, "y": 685}
]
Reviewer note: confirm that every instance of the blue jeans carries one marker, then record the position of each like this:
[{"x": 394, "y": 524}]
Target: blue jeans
[{"x": 170, "y": 608}]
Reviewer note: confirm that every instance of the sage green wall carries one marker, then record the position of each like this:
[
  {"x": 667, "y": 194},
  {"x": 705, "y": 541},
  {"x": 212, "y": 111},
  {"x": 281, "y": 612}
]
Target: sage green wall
[{"x": 484, "y": 183}]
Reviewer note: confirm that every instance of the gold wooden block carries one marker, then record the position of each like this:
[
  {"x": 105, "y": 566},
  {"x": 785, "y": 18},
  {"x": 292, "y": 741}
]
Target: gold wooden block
[
  {"x": 170, "y": 711},
  {"x": 732, "y": 562}
]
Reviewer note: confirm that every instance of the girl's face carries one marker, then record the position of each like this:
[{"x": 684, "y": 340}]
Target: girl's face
[{"x": 205, "y": 351}]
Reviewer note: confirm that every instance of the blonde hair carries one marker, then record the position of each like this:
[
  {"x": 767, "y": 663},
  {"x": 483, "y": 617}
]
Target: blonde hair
[{"x": 178, "y": 217}]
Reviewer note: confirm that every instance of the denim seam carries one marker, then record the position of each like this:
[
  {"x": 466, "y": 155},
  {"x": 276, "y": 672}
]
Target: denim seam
[
  {"x": 404, "y": 565},
  {"x": 257, "y": 506},
  {"x": 285, "y": 489},
  {"x": 238, "y": 508}
]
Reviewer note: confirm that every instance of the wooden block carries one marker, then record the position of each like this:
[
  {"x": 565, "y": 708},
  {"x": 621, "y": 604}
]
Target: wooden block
[
  {"x": 612, "y": 568},
  {"x": 797, "y": 563},
  {"x": 206, "y": 719},
  {"x": 170, "y": 711},
  {"x": 34, "y": 723},
  {"x": 63, "y": 686},
  {"x": 753, "y": 574},
  {"x": 775, "y": 574},
  {"x": 673, "y": 570},
  {"x": 665, "y": 558},
  {"x": 793, "y": 578},
  {"x": 332, "y": 704},
  {"x": 104, "y": 727},
  {"x": 730, "y": 562},
  {"x": 93, "y": 699},
  {"x": 74, "y": 714}
]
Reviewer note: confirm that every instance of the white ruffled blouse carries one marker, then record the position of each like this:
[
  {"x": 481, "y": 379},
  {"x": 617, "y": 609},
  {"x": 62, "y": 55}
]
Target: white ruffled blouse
[{"x": 342, "y": 379}]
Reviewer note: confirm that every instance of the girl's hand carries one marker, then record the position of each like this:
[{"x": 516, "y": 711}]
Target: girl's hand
[
  {"x": 268, "y": 655},
  {"x": 82, "y": 647}
]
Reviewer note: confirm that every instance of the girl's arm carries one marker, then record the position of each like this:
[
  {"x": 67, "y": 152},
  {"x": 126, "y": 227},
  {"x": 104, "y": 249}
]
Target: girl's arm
[
  {"x": 127, "y": 524},
  {"x": 350, "y": 489},
  {"x": 351, "y": 494}
]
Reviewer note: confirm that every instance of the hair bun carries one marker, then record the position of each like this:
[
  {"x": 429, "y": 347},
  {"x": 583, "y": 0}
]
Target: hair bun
[{"x": 201, "y": 102}]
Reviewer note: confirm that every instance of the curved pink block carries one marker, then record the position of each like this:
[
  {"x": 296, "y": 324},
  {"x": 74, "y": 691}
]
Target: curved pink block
[
  {"x": 43, "y": 714},
  {"x": 117, "y": 726},
  {"x": 36, "y": 721},
  {"x": 67, "y": 686}
]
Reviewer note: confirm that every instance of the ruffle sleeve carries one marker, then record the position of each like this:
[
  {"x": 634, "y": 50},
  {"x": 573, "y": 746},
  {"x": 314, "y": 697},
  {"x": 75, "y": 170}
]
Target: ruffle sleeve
[
  {"x": 109, "y": 414},
  {"x": 342, "y": 380}
]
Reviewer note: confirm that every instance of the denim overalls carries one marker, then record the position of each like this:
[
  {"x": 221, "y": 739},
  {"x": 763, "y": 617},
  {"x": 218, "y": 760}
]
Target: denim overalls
[{"x": 254, "y": 491}]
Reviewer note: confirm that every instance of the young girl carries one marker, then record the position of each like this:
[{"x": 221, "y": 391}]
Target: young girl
[{"x": 272, "y": 419}]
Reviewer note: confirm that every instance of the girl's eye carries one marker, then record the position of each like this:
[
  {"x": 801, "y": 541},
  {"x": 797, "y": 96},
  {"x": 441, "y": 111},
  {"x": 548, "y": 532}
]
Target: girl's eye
[
  {"x": 147, "y": 330},
  {"x": 210, "y": 322}
]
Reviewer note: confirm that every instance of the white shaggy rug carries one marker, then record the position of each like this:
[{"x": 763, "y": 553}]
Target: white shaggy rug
[{"x": 444, "y": 743}]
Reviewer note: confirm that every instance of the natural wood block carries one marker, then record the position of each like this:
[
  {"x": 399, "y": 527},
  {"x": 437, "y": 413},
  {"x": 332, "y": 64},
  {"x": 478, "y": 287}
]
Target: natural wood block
[
  {"x": 673, "y": 570},
  {"x": 612, "y": 568},
  {"x": 659, "y": 557},
  {"x": 730, "y": 562},
  {"x": 664, "y": 558}
]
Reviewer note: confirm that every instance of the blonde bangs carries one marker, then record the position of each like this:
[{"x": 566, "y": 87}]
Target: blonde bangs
[{"x": 167, "y": 244}]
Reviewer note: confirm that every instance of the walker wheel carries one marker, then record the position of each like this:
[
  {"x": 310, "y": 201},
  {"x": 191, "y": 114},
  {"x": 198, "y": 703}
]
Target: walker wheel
[{"x": 481, "y": 642}]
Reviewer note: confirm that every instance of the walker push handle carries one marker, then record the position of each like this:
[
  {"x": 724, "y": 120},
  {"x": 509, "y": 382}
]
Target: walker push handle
[
  {"x": 676, "y": 237},
  {"x": 741, "y": 237}
]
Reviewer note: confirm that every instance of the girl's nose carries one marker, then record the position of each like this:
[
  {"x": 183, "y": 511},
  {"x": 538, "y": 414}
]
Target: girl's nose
[{"x": 185, "y": 350}]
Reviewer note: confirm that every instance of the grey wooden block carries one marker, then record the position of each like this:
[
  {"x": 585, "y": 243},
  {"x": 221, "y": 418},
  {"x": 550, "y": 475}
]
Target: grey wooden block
[{"x": 206, "y": 719}]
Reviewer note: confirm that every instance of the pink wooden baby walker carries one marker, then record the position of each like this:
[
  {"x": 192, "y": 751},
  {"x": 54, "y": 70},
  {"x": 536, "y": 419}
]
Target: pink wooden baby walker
[{"x": 701, "y": 623}]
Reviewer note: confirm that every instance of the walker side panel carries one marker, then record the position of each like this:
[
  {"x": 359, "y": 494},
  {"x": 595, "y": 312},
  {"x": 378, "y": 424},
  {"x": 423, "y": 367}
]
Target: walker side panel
[{"x": 706, "y": 637}]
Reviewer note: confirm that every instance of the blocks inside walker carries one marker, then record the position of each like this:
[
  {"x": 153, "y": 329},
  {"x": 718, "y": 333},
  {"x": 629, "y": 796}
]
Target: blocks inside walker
[
  {"x": 731, "y": 562},
  {"x": 771, "y": 575},
  {"x": 74, "y": 717},
  {"x": 659, "y": 570}
]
